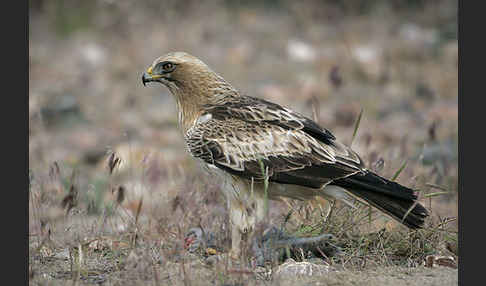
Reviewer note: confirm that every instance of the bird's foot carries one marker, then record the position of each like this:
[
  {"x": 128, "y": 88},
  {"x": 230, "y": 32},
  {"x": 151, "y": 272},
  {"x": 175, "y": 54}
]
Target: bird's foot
[{"x": 234, "y": 255}]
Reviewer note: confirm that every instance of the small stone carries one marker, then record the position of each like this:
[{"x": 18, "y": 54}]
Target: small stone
[{"x": 291, "y": 267}]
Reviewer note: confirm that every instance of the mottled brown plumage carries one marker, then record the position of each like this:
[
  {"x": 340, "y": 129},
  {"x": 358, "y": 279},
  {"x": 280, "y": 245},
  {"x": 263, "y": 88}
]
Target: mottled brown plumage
[{"x": 232, "y": 135}]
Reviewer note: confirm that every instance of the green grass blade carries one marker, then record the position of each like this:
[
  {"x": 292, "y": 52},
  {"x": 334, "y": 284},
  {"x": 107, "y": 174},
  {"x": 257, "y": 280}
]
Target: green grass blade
[
  {"x": 430, "y": 195},
  {"x": 409, "y": 210},
  {"x": 356, "y": 126},
  {"x": 265, "y": 184},
  {"x": 400, "y": 170}
]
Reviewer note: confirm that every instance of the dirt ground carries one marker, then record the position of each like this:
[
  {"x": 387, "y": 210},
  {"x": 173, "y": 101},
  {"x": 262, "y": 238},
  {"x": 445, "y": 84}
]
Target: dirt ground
[
  {"x": 397, "y": 62},
  {"x": 381, "y": 276},
  {"x": 385, "y": 276}
]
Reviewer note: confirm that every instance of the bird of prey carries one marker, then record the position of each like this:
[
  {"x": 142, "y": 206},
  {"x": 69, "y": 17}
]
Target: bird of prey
[{"x": 259, "y": 148}]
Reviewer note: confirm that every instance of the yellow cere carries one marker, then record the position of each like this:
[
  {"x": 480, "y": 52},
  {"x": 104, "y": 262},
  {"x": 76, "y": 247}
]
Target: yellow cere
[{"x": 149, "y": 71}]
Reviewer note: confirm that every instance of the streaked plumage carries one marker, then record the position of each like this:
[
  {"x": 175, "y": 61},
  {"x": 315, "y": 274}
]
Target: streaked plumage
[{"x": 233, "y": 134}]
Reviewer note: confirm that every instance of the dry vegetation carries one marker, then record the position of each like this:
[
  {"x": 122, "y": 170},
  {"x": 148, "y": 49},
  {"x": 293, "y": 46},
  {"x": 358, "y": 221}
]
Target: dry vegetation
[{"x": 113, "y": 192}]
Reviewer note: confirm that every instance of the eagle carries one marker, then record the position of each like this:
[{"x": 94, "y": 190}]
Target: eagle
[{"x": 262, "y": 150}]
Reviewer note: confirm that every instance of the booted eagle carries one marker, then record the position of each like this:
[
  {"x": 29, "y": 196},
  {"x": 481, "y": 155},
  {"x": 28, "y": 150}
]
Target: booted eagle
[{"x": 248, "y": 141}]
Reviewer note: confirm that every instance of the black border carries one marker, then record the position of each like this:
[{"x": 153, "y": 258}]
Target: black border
[
  {"x": 15, "y": 126},
  {"x": 471, "y": 122},
  {"x": 15, "y": 137}
]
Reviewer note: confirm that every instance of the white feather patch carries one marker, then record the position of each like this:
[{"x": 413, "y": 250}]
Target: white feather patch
[{"x": 204, "y": 118}]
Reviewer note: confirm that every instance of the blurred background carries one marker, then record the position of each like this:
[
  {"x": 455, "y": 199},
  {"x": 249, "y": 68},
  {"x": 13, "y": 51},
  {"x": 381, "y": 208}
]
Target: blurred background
[{"x": 395, "y": 60}]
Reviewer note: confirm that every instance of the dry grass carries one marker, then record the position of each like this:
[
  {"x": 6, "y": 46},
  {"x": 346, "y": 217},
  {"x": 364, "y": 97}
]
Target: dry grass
[
  {"x": 112, "y": 192},
  {"x": 143, "y": 240}
]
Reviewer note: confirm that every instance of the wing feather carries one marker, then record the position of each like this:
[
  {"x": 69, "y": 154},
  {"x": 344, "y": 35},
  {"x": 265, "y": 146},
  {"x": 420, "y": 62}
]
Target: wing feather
[{"x": 238, "y": 135}]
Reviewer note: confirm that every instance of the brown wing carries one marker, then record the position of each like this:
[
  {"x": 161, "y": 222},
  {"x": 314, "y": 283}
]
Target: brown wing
[
  {"x": 257, "y": 110},
  {"x": 297, "y": 151}
]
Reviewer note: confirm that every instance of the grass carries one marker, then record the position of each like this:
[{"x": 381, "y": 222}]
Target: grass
[
  {"x": 154, "y": 239},
  {"x": 149, "y": 246}
]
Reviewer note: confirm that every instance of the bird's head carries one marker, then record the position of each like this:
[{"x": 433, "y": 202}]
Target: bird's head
[
  {"x": 193, "y": 84},
  {"x": 185, "y": 76}
]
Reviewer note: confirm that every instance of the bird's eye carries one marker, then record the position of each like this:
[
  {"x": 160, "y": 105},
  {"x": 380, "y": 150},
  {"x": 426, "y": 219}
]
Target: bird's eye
[
  {"x": 164, "y": 67},
  {"x": 168, "y": 66}
]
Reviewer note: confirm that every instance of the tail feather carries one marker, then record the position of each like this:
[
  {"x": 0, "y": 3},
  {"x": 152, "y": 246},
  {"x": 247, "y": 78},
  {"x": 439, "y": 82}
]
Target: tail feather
[{"x": 388, "y": 196}]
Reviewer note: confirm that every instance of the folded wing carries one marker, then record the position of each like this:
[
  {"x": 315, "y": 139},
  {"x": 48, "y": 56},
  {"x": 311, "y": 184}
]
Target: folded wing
[{"x": 240, "y": 135}]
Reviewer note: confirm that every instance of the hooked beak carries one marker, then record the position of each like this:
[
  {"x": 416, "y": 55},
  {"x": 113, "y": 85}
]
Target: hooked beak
[
  {"x": 145, "y": 78},
  {"x": 148, "y": 76}
]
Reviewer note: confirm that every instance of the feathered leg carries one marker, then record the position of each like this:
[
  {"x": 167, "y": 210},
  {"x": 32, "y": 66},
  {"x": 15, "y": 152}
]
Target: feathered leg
[{"x": 246, "y": 208}]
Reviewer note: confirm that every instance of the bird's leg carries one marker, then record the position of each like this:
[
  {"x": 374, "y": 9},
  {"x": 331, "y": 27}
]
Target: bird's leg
[
  {"x": 242, "y": 225},
  {"x": 235, "y": 242},
  {"x": 245, "y": 213}
]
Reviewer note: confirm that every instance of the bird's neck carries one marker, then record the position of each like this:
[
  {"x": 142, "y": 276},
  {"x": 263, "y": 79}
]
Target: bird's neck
[
  {"x": 188, "y": 113},
  {"x": 192, "y": 102}
]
